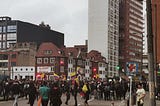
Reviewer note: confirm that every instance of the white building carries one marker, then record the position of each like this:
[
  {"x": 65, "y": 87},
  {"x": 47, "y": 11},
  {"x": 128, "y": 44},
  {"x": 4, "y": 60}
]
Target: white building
[
  {"x": 103, "y": 31},
  {"x": 87, "y": 69},
  {"x": 71, "y": 68},
  {"x": 21, "y": 72},
  {"x": 102, "y": 70}
]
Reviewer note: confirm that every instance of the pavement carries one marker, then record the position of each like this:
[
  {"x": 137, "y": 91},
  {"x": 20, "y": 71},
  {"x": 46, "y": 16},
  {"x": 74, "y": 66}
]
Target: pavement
[{"x": 92, "y": 102}]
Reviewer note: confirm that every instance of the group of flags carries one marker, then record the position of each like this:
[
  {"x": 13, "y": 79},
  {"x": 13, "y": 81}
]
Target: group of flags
[
  {"x": 73, "y": 75},
  {"x": 56, "y": 76}
]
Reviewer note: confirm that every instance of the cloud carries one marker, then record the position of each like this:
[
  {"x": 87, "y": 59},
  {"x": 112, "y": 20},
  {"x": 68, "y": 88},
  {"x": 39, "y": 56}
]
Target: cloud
[{"x": 66, "y": 16}]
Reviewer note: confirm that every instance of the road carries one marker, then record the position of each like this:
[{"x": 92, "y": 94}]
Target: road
[{"x": 92, "y": 102}]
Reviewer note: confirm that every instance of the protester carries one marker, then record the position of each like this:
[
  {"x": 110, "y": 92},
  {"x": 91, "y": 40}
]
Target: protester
[
  {"x": 75, "y": 91},
  {"x": 67, "y": 90},
  {"x": 86, "y": 89},
  {"x": 55, "y": 95},
  {"x": 15, "y": 91},
  {"x": 32, "y": 93},
  {"x": 44, "y": 93},
  {"x": 140, "y": 95}
]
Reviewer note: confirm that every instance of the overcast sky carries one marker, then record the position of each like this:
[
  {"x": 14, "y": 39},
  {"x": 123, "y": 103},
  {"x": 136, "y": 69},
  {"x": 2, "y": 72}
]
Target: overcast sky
[{"x": 66, "y": 16}]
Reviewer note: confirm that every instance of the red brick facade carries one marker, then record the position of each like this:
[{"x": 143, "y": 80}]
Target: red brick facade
[{"x": 156, "y": 27}]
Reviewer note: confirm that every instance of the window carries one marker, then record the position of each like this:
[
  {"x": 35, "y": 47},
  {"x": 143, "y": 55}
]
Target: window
[
  {"x": 11, "y": 28},
  {"x": 45, "y": 60},
  {"x": 48, "y": 52},
  {"x": 87, "y": 63},
  {"x": 100, "y": 72},
  {"x": 4, "y": 37},
  {"x": 100, "y": 64},
  {"x": 52, "y": 60},
  {"x": 11, "y": 36},
  {"x": 13, "y": 56},
  {"x": 4, "y": 29},
  {"x": 70, "y": 61},
  {"x": 61, "y": 68},
  {"x": 69, "y": 70},
  {"x": 39, "y": 60}
]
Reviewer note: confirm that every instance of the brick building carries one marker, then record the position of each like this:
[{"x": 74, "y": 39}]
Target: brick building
[
  {"x": 131, "y": 34},
  {"x": 156, "y": 27},
  {"x": 19, "y": 54},
  {"x": 64, "y": 61},
  {"x": 50, "y": 59}
]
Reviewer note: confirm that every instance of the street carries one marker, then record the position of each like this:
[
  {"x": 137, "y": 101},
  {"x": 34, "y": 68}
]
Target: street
[{"x": 92, "y": 102}]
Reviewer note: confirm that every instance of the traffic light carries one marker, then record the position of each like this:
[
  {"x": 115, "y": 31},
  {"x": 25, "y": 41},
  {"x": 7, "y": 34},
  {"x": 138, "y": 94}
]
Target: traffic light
[
  {"x": 118, "y": 67},
  {"x": 38, "y": 75},
  {"x": 94, "y": 76},
  {"x": 158, "y": 70},
  {"x": 61, "y": 62},
  {"x": 94, "y": 70}
]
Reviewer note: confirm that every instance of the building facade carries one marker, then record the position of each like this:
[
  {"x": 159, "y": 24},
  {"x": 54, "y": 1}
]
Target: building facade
[
  {"x": 96, "y": 65},
  {"x": 50, "y": 59},
  {"x": 24, "y": 72},
  {"x": 156, "y": 26},
  {"x": 13, "y": 31},
  {"x": 19, "y": 54},
  {"x": 103, "y": 31},
  {"x": 7, "y": 60},
  {"x": 131, "y": 35}
]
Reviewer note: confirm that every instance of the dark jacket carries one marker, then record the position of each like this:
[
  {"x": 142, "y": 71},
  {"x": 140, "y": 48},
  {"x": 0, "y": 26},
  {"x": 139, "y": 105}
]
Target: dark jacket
[
  {"x": 32, "y": 91},
  {"x": 15, "y": 88}
]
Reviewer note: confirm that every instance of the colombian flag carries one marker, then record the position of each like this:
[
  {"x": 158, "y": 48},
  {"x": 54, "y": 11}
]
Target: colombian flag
[{"x": 56, "y": 76}]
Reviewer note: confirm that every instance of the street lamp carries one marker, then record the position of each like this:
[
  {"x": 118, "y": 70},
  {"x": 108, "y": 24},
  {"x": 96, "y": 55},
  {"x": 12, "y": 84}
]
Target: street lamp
[{"x": 150, "y": 54}]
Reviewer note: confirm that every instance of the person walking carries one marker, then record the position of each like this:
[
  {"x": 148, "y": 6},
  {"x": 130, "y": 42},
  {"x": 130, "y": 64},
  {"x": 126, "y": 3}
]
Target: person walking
[
  {"x": 67, "y": 90},
  {"x": 44, "y": 93},
  {"x": 15, "y": 91},
  {"x": 140, "y": 94},
  {"x": 32, "y": 91},
  {"x": 86, "y": 89},
  {"x": 75, "y": 91},
  {"x": 55, "y": 95}
]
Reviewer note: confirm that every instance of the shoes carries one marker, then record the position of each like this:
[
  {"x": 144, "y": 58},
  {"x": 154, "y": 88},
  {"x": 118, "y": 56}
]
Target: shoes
[
  {"x": 66, "y": 103},
  {"x": 86, "y": 104}
]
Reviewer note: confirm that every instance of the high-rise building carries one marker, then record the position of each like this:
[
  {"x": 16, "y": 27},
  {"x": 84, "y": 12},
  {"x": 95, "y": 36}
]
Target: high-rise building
[
  {"x": 131, "y": 35},
  {"x": 103, "y": 31},
  {"x": 156, "y": 27},
  {"x": 13, "y": 31}
]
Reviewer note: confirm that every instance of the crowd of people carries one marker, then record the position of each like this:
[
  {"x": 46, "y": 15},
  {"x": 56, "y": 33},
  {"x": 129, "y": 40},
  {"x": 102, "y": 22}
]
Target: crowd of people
[{"x": 50, "y": 92}]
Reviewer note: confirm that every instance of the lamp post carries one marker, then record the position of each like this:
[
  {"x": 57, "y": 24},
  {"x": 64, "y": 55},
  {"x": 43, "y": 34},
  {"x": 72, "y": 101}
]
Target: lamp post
[
  {"x": 150, "y": 54},
  {"x": 155, "y": 44},
  {"x": 151, "y": 80},
  {"x": 130, "y": 91}
]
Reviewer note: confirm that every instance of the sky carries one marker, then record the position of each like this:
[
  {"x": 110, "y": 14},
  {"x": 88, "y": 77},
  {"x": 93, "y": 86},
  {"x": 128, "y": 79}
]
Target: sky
[{"x": 66, "y": 16}]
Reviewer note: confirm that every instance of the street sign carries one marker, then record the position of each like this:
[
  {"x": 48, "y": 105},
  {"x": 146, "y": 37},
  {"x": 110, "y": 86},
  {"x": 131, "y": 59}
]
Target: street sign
[{"x": 131, "y": 68}]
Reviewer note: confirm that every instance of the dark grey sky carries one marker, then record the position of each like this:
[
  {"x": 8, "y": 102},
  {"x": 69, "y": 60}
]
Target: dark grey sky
[{"x": 66, "y": 16}]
